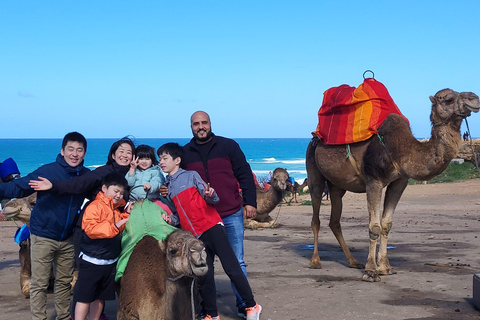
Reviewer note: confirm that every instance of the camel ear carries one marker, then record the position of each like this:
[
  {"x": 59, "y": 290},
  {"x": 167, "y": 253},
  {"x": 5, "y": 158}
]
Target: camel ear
[
  {"x": 32, "y": 199},
  {"x": 162, "y": 245},
  {"x": 432, "y": 98}
]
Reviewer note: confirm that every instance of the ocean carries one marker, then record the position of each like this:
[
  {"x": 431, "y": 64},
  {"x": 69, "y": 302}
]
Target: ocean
[{"x": 263, "y": 154}]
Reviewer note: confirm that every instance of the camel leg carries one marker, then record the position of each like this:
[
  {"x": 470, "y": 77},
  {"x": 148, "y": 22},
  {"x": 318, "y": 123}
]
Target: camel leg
[
  {"x": 250, "y": 224},
  {"x": 316, "y": 183},
  {"x": 336, "y": 196},
  {"x": 392, "y": 196},
  {"x": 268, "y": 222},
  {"x": 374, "y": 197},
  {"x": 316, "y": 195},
  {"x": 25, "y": 267}
]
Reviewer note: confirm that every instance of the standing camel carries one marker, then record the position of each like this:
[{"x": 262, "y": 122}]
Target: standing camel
[
  {"x": 374, "y": 164},
  {"x": 294, "y": 189}
]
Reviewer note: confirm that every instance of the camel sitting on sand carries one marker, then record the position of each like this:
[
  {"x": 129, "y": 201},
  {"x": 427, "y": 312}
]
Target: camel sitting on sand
[
  {"x": 158, "y": 281},
  {"x": 387, "y": 160},
  {"x": 268, "y": 200}
]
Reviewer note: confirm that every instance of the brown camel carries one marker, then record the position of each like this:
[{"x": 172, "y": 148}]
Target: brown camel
[
  {"x": 268, "y": 200},
  {"x": 387, "y": 160},
  {"x": 21, "y": 209},
  {"x": 158, "y": 281},
  {"x": 293, "y": 189}
]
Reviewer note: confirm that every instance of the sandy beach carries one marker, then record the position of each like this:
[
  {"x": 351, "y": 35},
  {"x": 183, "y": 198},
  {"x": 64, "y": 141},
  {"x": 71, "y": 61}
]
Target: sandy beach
[{"x": 433, "y": 244}]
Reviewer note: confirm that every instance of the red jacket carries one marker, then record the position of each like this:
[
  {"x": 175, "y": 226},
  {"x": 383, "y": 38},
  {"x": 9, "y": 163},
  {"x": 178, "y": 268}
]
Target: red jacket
[{"x": 186, "y": 190}]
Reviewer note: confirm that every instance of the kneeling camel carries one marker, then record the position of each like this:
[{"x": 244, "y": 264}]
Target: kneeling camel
[
  {"x": 268, "y": 200},
  {"x": 158, "y": 281}
]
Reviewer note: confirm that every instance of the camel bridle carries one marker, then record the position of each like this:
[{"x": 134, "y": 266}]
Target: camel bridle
[
  {"x": 184, "y": 267},
  {"x": 186, "y": 248},
  {"x": 457, "y": 111}
]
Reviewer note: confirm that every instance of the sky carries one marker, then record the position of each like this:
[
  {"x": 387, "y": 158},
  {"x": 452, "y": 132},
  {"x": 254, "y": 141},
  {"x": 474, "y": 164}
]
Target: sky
[{"x": 114, "y": 68}]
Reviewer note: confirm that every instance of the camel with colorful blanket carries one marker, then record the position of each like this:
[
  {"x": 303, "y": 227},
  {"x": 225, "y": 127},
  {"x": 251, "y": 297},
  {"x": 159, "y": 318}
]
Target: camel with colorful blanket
[{"x": 384, "y": 155}]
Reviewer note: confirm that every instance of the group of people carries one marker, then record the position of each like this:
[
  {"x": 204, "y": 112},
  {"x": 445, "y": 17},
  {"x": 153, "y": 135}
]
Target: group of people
[{"x": 200, "y": 194}]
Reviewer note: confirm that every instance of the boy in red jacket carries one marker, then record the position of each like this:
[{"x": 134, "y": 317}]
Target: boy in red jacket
[
  {"x": 193, "y": 199},
  {"x": 100, "y": 246}
]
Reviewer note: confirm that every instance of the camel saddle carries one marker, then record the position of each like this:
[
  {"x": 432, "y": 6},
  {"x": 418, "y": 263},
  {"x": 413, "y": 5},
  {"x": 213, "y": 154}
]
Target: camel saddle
[{"x": 350, "y": 114}]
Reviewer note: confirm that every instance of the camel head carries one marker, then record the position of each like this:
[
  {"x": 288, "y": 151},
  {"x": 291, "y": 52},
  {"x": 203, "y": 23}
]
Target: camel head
[
  {"x": 449, "y": 106},
  {"x": 186, "y": 255},
  {"x": 20, "y": 208},
  {"x": 279, "y": 179}
]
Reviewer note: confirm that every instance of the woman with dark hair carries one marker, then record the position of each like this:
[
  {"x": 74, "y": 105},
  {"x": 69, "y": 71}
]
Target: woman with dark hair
[{"x": 119, "y": 157}]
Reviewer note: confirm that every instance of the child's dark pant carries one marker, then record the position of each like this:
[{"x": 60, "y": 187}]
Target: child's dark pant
[{"x": 216, "y": 243}]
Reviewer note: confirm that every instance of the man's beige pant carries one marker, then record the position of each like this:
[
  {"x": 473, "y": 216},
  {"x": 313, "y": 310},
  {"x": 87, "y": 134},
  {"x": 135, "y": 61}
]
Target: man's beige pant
[{"x": 44, "y": 252}]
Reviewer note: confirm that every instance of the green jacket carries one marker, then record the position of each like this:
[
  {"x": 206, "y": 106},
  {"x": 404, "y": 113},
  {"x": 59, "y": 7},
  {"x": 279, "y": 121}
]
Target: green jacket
[{"x": 145, "y": 219}]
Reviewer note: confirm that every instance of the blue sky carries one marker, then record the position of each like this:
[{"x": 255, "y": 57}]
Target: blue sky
[{"x": 259, "y": 68}]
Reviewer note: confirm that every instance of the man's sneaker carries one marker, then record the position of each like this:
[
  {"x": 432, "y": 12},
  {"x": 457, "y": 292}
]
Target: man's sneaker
[
  {"x": 242, "y": 313},
  {"x": 253, "y": 313},
  {"x": 103, "y": 317},
  {"x": 209, "y": 317}
]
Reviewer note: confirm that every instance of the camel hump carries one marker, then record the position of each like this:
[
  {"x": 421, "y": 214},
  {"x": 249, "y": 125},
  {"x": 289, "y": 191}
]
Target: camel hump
[
  {"x": 148, "y": 246},
  {"x": 350, "y": 115},
  {"x": 393, "y": 125},
  {"x": 147, "y": 255}
]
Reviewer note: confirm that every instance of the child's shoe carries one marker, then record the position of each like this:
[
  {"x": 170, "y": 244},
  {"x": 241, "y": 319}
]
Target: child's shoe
[
  {"x": 209, "y": 317},
  {"x": 253, "y": 313}
]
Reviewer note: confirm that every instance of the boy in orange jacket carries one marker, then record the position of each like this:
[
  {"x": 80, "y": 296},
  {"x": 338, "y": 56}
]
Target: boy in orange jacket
[{"x": 102, "y": 225}]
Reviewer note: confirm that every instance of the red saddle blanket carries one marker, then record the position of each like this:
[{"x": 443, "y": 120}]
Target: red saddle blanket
[{"x": 350, "y": 114}]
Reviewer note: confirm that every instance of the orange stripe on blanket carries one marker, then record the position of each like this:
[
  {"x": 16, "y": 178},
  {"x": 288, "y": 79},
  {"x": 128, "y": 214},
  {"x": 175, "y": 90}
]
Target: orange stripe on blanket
[
  {"x": 350, "y": 114},
  {"x": 362, "y": 115}
]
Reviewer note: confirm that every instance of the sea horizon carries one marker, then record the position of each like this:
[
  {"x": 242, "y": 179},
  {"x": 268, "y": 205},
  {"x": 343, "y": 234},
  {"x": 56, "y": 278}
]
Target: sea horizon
[{"x": 263, "y": 154}]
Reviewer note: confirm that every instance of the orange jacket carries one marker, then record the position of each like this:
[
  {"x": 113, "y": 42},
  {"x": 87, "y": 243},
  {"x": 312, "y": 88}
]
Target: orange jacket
[{"x": 100, "y": 217}]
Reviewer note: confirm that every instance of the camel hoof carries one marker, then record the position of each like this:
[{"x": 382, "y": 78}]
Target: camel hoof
[
  {"x": 315, "y": 265},
  {"x": 26, "y": 289},
  {"x": 371, "y": 276},
  {"x": 274, "y": 225},
  {"x": 250, "y": 224},
  {"x": 387, "y": 272}
]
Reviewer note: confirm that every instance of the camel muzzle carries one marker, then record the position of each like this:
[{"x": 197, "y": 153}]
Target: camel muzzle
[{"x": 471, "y": 100}]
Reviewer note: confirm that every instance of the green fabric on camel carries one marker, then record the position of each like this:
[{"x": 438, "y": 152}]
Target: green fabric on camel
[{"x": 145, "y": 219}]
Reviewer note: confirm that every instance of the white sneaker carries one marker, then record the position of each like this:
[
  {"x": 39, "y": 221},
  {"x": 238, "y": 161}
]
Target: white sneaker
[{"x": 253, "y": 313}]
